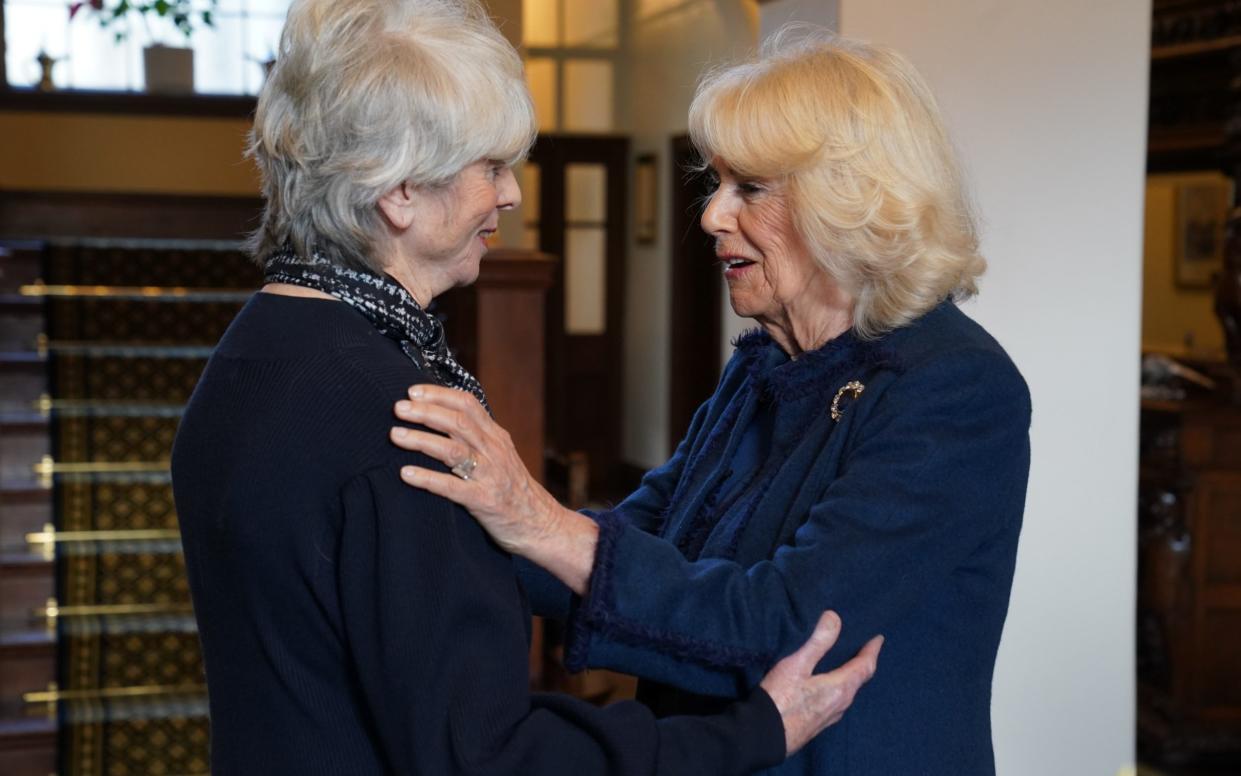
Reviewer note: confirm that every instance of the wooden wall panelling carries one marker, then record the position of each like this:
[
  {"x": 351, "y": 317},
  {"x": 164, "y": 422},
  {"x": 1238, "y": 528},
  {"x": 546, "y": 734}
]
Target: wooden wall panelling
[
  {"x": 496, "y": 326},
  {"x": 51, "y": 215}
]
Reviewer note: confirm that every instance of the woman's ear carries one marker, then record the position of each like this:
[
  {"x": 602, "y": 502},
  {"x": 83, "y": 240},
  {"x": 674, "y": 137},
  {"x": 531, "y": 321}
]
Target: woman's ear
[{"x": 398, "y": 205}]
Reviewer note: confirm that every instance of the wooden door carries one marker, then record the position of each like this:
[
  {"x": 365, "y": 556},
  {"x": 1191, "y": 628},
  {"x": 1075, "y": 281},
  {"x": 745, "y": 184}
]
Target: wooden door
[
  {"x": 575, "y": 190},
  {"x": 694, "y": 307}
]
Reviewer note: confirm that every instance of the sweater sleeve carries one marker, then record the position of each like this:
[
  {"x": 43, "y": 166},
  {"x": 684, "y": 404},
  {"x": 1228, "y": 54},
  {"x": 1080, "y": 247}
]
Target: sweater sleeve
[
  {"x": 937, "y": 471},
  {"x": 434, "y": 625}
]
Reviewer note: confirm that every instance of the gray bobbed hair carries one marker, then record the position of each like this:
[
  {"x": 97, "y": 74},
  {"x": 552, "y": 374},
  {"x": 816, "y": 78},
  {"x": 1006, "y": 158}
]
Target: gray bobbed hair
[{"x": 367, "y": 94}]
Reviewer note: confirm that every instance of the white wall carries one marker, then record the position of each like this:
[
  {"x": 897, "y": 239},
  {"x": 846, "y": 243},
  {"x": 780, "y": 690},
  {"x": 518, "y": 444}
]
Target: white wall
[
  {"x": 1048, "y": 103},
  {"x": 670, "y": 43},
  {"x": 776, "y": 13}
]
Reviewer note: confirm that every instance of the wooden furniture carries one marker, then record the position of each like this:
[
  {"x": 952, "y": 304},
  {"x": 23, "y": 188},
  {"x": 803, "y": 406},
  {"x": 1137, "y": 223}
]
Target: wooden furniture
[
  {"x": 1189, "y": 617},
  {"x": 496, "y": 328},
  {"x": 1195, "y": 50},
  {"x": 1189, "y": 591}
]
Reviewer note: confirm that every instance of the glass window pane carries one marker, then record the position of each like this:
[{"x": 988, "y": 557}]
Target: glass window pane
[
  {"x": 219, "y": 64},
  {"x": 244, "y": 31},
  {"x": 531, "y": 177},
  {"x": 539, "y": 23},
  {"x": 585, "y": 281},
  {"x": 586, "y": 195},
  {"x": 541, "y": 73},
  {"x": 262, "y": 41},
  {"x": 590, "y": 23},
  {"x": 588, "y": 95},
  {"x": 277, "y": 8},
  {"x": 29, "y": 28},
  {"x": 97, "y": 61}
]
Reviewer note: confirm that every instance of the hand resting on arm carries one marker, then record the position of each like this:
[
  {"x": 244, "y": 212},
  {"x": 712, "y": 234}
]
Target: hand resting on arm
[{"x": 524, "y": 519}]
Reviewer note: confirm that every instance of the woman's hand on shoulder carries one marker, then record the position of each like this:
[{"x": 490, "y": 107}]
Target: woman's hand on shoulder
[
  {"x": 810, "y": 702},
  {"x": 488, "y": 479}
]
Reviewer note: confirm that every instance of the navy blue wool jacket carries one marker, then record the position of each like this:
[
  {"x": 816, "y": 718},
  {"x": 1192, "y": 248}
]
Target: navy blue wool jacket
[
  {"x": 903, "y": 515},
  {"x": 353, "y": 625}
]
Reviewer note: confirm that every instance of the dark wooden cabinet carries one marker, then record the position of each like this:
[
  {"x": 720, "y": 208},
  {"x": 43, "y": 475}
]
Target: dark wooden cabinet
[
  {"x": 496, "y": 328},
  {"x": 1189, "y": 610}
]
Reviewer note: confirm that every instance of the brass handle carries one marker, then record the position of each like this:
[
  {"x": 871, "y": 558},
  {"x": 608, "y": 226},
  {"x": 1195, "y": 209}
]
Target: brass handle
[
  {"x": 52, "y": 611},
  {"x": 46, "y": 405},
  {"x": 119, "y": 349},
  {"x": 45, "y": 541},
  {"x": 50, "y": 535},
  {"x": 54, "y": 695},
  {"x": 154, "y": 293},
  {"x": 48, "y": 468}
]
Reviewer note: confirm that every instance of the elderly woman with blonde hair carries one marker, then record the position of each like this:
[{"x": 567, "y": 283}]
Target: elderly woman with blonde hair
[
  {"x": 349, "y": 624},
  {"x": 866, "y": 449}
]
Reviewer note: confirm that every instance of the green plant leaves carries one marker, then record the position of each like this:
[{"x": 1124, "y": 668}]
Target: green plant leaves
[{"x": 180, "y": 12}]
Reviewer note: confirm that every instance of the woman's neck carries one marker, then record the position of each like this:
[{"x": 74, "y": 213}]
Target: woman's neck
[{"x": 809, "y": 324}]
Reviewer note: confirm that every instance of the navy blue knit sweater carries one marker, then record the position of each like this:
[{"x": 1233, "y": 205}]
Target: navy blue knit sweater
[{"x": 353, "y": 625}]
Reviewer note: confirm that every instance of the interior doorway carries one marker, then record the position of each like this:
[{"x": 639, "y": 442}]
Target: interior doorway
[
  {"x": 696, "y": 289},
  {"x": 1189, "y": 497},
  {"x": 576, "y": 209}
]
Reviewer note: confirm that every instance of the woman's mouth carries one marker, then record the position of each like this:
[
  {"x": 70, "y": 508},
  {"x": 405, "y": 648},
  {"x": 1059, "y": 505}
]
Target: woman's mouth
[
  {"x": 734, "y": 266},
  {"x": 484, "y": 235}
]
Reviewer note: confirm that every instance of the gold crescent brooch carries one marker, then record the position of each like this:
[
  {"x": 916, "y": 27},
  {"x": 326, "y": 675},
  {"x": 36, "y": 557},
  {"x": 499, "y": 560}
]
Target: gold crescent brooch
[{"x": 854, "y": 389}]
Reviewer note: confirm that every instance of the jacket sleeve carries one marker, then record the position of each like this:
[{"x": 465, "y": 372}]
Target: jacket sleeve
[
  {"x": 435, "y": 628},
  {"x": 643, "y": 509},
  {"x": 936, "y": 470}
]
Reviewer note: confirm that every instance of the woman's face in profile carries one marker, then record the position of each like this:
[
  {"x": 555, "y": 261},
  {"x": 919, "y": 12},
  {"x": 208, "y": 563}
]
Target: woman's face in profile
[
  {"x": 766, "y": 264},
  {"x": 451, "y": 225}
]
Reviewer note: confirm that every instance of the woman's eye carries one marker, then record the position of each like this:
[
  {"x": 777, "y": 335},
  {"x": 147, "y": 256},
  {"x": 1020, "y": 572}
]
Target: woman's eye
[{"x": 749, "y": 187}]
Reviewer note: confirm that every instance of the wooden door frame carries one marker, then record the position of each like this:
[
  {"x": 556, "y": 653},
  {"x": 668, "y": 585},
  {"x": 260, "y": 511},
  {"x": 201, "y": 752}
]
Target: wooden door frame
[
  {"x": 559, "y": 150},
  {"x": 694, "y": 310}
]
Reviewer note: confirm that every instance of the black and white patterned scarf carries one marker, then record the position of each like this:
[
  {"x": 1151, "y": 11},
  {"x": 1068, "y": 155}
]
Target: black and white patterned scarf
[{"x": 387, "y": 305}]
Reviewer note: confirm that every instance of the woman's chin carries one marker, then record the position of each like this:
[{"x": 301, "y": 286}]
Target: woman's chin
[
  {"x": 469, "y": 274},
  {"x": 742, "y": 305}
]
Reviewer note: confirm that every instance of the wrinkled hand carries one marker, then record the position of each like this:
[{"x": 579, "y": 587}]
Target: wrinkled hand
[
  {"x": 500, "y": 493},
  {"x": 809, "y": 703}
]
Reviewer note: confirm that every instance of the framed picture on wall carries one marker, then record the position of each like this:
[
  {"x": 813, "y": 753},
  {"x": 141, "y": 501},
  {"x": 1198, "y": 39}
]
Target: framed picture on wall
[
  {"x": 646, "y": 195},
  {"x": 1201, "y": 211}
]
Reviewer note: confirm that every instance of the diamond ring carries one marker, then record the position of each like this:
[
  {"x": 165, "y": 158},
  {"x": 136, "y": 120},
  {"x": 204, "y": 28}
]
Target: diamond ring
[{"x": 465, "y": 468}]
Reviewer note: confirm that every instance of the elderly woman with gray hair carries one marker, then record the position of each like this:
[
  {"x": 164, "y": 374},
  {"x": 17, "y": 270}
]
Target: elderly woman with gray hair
[
  {"x": 866, "y": 449},
  {"x": 349, "y": 624}
]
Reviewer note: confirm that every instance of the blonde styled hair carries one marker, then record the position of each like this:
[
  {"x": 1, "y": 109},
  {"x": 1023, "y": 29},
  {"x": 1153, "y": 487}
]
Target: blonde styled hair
[
  {"x": 367, "y": 94},
  {"x": 874, "y": 185}
]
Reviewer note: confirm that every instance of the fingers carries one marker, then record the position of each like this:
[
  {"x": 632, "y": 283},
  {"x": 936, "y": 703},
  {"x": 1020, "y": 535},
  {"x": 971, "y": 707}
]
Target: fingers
[
  {"x": 446, "y": 450},
  {"x": 808, "y": 655},
  {"x": 809, "y": 702},
  {"x": 449, "y": 486},
  {"x": 870, "y": 652},
  {"x": 456, "y": 423},
  {"x": 850, "y": 677},
  {"x": 450, "y": 398},
  {"x": 861, "y": 667}
]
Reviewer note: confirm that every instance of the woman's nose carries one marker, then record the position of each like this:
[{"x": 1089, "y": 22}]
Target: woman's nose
[
  {"x": 718, "y": 218},
  {"x": 507, "y": 190}
]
